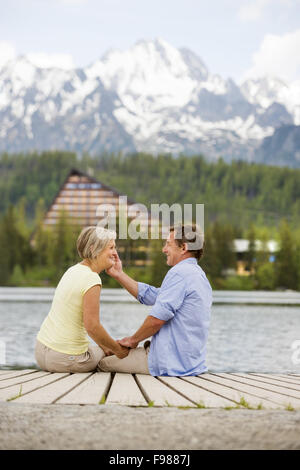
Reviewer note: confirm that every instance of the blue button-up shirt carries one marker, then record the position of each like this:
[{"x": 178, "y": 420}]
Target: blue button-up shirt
[{"x": 184, "y": 302}]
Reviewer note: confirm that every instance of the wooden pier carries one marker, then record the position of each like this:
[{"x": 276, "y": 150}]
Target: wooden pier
[{"x": 210, "y": 390}]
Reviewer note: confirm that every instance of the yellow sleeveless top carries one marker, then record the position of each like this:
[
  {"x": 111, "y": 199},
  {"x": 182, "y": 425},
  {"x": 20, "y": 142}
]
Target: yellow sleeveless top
[{"x": 63, "y": 329}]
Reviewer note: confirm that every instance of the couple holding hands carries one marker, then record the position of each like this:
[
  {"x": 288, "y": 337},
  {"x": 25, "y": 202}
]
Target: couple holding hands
[{"x": 178, "y": 321}]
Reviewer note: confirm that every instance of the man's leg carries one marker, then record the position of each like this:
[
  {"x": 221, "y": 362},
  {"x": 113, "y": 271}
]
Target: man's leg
[{"x": 135, "y": 363}]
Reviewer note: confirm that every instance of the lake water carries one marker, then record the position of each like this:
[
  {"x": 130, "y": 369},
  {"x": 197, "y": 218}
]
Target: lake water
[{"x": 244, "y": 336}]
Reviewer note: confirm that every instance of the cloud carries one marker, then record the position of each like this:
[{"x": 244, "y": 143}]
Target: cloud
[
  {"x": 7, "y": 52},
  {"x": 42, "y": 60},
  {"x": 73, "y": 2},
  {"x": 277, "y": 56},
  {"x": 252, "y": 11},
  {"x": 39, "y": 59}
]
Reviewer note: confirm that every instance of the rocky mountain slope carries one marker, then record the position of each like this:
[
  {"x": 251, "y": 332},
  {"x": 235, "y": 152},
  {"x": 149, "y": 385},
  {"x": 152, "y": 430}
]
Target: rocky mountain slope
[{"x": 151, "y": 97}]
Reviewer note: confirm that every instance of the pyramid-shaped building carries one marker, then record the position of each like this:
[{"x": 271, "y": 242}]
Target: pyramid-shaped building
[{"x": 79, "y": 197}]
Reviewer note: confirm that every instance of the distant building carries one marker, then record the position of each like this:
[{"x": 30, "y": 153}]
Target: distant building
[
  {"x": 241, "y": 248},
  {"x": 79, "y": 196}
]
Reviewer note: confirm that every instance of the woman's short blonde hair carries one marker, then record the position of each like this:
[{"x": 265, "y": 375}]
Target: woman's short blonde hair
[{"x": 92, "y": 240}]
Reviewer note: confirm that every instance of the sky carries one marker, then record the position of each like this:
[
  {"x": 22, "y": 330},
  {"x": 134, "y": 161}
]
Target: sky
[{"x": 235, "y": 38}]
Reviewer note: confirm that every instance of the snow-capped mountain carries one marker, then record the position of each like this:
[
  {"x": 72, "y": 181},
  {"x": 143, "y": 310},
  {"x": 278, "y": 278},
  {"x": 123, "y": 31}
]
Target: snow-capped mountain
[
  {"x": 267, "y": 91},
  {"x": 151, "y": 97}
]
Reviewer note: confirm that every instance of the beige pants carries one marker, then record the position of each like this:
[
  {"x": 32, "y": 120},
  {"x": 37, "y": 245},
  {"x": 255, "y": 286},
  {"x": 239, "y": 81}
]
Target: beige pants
[
  {"x": 54, "y": 361},
  {"x": 135, "y": 363}
]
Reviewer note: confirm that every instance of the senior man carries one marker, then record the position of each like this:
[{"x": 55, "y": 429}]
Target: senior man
[{"x": 179, "y": 319}]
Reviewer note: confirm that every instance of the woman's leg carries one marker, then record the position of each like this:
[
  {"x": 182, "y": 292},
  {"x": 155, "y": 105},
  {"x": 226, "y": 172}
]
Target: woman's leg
[
  {"x": 135, "y": 363},
  {"x": 40, "y": 353},
  {"x": 54, "y": 361},
  {"x": 88, "y": 361}
]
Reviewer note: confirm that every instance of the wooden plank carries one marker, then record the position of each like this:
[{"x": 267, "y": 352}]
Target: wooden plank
[
  {"x": 5, "y": 372},
  {"x": 88, "y": 392},
  {"x": 271, "y": 379},
  {"x": 17, "y": 373},
  {"x": 292, "y": 377},
  {"x": 196, "y": 394},
  {"x": 259, "y": 390},
  {"x": 267, "y": 384},
  {"x": 159, "y": 394},
  {"x": 21, "y": 379},
  {"x": 124, "y": 391},
  {"x": 51, "y": 393},
  {"x": 289, "y": 377},
  {"x": 231, "y": 392},
  {"x": 22, "y": 389}
]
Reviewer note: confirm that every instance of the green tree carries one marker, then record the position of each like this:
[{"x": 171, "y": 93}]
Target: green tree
[
  {"x": 265, "y": 276},
  {"x": 17, "y": 277},
  {"x": 219, "y": 254},
  {"x": 250, "y": 255},
  {"x": 286, "y": 261},
  {"x": 14, "y": 247},
  {"x": 159, "y": 267},
  {"x": 42, "y": 238},
  {"x": 64, "y": 250}
]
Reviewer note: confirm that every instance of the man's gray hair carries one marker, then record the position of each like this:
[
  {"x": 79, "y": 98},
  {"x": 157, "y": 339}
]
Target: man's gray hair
[{"x": 192, "y": 235}]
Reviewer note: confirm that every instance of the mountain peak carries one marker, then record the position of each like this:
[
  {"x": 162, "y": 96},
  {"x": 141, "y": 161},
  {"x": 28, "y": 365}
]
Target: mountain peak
[
  {"x": 149, "y": 68},
  {"x": 151, "y": 96},
  {"x": 196, "y": 66},
  {"x": 266, "y": 90}
]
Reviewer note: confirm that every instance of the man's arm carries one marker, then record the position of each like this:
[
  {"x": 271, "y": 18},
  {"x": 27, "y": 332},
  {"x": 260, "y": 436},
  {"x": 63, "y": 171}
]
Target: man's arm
[
  {"x": 147, "y": 294},
  {"x": 128, "y": 283},
  {"x": 168, "y": 302},
  {"x": 150, "y": 326},
  {"x": 118, "y": 274}
]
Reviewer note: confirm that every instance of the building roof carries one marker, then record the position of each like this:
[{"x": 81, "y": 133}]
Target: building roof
[{"x": 80, "y": 195}]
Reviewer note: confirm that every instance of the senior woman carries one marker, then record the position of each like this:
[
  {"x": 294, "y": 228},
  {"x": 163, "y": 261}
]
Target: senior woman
[{"x": 62, "y": 343}]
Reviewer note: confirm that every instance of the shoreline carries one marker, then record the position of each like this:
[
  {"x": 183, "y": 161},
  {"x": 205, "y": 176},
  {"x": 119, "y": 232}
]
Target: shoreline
[{"x": 118, "y": 295}]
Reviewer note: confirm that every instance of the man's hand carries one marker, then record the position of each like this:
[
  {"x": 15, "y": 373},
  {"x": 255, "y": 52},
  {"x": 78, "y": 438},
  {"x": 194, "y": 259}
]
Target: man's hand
[
  {"x": 122, "y": 352},
  {"x": 129, "y": 342},
  {"x": 116, "y": 269}
]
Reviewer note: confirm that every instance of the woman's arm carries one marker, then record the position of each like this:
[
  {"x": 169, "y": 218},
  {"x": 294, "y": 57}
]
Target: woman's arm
[{"x": 91, "y": 304}]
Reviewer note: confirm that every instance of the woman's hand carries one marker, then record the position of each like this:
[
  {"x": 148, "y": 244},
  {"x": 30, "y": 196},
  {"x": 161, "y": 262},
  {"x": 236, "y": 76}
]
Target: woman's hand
[
  {"x": 107, "y": 352},
  {"x": 116, "y": 269},
  {"x": 122, "y": 352}
]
